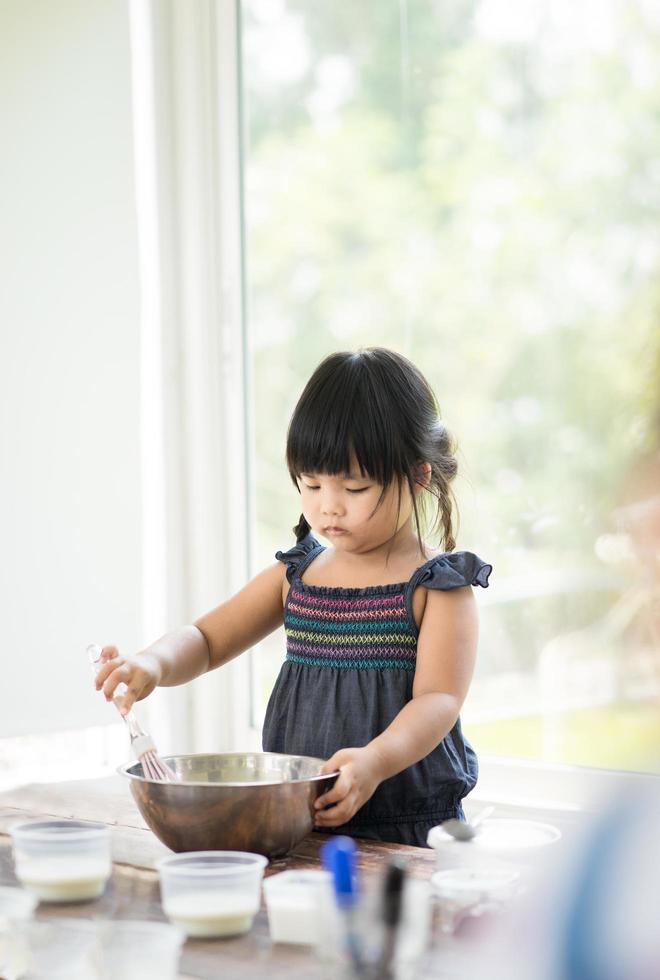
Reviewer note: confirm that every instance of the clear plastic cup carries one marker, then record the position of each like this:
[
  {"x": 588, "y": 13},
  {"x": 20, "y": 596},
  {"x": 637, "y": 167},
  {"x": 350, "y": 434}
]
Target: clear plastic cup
[
  {"x": 62, "y": 949},
  {"x": 366, "y": 924},
  {"x": 468, "y": 891},
  {"x": 62, "y": 860},
  {"x": 81, "y": 949},
  {"x": 212, "y": 893},
  {"x": 16, "y": 908},
  {"x": 16, "y": 905},
  {"x": 135, "y": 949}
]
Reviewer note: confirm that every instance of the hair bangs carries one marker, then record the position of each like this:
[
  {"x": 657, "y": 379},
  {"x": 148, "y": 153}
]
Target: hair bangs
[
  {"x": 374, "y": 439},
  {"x": 342, "y": 418},
  {"x": 319, "y": 443}
]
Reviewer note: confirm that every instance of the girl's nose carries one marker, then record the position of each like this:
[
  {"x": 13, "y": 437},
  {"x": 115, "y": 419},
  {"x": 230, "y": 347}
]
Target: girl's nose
[{"x": 330, "y": 504}]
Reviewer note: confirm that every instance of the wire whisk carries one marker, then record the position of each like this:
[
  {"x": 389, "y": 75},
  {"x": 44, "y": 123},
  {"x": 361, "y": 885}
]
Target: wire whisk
[{"x": 142, "y": 743}]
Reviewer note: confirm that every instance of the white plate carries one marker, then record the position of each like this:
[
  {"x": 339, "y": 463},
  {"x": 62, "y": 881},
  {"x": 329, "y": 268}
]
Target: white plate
[
  {"x": 498, "y": 837},
  {"x": 509, "y": 834}
]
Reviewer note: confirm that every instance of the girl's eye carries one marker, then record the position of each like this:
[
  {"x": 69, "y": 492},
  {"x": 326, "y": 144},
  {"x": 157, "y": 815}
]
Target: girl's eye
[
  {"x": 361, "y": 490},
  {"x": 307, "y": 487}
]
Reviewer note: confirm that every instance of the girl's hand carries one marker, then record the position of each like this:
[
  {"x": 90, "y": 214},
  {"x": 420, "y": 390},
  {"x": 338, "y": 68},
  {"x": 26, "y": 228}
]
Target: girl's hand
[
  {"x": 359, "y": 775},
  {"x": 141, "y": 674}
]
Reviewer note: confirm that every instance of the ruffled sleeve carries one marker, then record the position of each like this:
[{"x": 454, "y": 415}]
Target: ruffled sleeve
[
  {"x": 297, "y": 556},
  {"x": 453, "y": 571}
]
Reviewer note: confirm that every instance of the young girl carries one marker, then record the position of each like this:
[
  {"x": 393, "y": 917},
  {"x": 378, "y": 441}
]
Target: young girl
[{"x": 381, "y": 627}]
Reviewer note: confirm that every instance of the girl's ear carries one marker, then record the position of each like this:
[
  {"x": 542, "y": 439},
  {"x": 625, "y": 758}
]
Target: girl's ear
[{"x": 422, "y": 476}]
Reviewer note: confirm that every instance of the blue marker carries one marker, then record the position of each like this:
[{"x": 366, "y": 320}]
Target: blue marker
[{"x": 338, "y": 857}]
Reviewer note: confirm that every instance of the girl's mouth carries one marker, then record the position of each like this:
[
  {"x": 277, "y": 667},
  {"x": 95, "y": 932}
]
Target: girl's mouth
[{"x": 334, "y": 531}]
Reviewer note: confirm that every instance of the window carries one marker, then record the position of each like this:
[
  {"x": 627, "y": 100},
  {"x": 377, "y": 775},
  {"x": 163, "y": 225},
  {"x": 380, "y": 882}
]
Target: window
[
  {"x": 476, "y": 185},
  {"x": 77, "y": 754}
]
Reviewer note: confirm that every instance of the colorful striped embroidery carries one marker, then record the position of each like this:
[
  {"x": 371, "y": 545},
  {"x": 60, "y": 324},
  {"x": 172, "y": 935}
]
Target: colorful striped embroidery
[{"x": 359, "y": 631}]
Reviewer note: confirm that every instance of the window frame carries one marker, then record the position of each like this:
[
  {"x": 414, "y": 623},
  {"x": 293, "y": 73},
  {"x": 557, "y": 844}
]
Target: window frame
[
  {"x": 192, "y": 86},
  {"x": 196, "y": 499}
]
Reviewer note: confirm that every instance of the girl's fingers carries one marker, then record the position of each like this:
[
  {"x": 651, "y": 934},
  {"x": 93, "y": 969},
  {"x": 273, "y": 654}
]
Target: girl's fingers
[
  {"x": 334, "y": 795},
  {"x": 119, "y": 675},
  {"x": 332, "y": 764},
  {"x": 335, "y": 816},
  {"x": 340, "y": 789},
  {"x": 128, "y": 699},
  {"x": 104, "y": 672}
]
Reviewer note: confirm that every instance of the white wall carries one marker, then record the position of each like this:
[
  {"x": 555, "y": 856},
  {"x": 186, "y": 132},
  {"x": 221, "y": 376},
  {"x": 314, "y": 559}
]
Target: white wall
[{"x": 70, "y": 553}]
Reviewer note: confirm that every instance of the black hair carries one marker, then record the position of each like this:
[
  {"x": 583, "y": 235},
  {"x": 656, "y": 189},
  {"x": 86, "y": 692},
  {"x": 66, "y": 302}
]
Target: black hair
[{"x": 376, "y": 405}]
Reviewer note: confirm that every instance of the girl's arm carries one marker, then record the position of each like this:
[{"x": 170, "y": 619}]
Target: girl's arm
[
  {"x": 446, "y": 652},
  {"x": 186, "y": 652}
]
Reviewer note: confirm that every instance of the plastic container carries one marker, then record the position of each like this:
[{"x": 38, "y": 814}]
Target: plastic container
[
  {"x": 62, "y": 949},
  {"x": 294, "y": 905},
  {"x": 16, "y": 909},
  {"x": 212, "y": 893},
  {"x": 16, "y": 905},
  {"x": 62, "y": 860},
  {"x": 84, "y": 949},
  {"x": 499, "y": 843},
  {"x": 461, "y": 891},
  {"x": 140, "y": 950}
]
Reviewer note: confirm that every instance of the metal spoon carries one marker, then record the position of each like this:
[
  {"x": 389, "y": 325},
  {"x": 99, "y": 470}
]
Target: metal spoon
[{"x": 461, "y": 829}]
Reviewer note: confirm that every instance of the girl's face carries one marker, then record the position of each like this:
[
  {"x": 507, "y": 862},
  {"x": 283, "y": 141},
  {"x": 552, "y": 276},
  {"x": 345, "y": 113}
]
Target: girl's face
[{"x": 348, "y": 509}]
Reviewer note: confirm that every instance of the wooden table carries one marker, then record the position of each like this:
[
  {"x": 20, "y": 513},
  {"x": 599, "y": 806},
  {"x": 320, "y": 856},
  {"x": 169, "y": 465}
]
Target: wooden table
[{"x": 133, "y": 890}]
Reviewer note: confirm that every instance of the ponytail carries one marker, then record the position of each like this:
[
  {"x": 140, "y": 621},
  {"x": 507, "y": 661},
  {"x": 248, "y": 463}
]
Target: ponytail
[
  {"x": 440, "y": 452},
  {"x": 447, "y": 504},
  {"x": 302, "y": 529}
]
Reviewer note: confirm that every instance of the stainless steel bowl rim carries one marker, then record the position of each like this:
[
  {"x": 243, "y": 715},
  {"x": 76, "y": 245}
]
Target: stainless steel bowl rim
[{"x": 123, "y": 771}]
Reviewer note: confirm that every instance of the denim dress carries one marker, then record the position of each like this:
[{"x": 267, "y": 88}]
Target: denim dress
[{"x": 349, "y": 671}]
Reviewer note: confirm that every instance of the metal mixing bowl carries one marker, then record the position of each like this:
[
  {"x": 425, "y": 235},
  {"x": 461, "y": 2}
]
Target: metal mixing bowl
[{"x": 234, "y": 801}]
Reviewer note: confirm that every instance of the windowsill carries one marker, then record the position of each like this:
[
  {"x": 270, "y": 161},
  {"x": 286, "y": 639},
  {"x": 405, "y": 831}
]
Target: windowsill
[
  {"x": 521, "y": 788},
  {"x": 517, "y": 785}
]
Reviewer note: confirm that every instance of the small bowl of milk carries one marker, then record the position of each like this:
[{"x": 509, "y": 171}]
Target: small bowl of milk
[
  {"x": 212, "y": 893},
  {"x": 62, "y": 860}
]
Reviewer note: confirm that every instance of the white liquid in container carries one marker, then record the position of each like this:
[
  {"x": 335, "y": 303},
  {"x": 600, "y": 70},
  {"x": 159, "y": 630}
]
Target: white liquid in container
[
  {"x": 212, "y": 913},
  {"x": 57, "y": 880},
  {"x": 293, "y": 903},
  {"x": 293, "y": 921}
]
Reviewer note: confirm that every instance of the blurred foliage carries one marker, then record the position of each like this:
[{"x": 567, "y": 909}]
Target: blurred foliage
[
  {"x": 610, "y": 737},
  {"x": 484, "y": 197}
]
